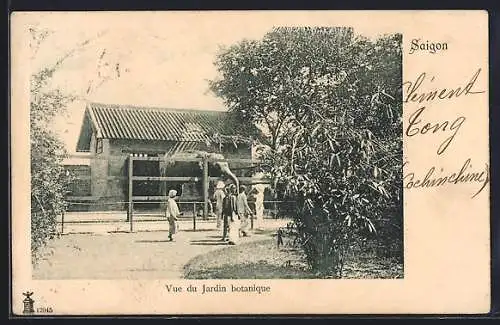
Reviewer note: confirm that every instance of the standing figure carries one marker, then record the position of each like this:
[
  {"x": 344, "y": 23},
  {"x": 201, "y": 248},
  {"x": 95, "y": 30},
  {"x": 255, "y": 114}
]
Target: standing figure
[
  {"x": 219, "y": 197},
  {"x": 227, "y": 212},
  {"x": 259, "y": 206},
  {"x": 243, "y": 211},
  {"x": 172, "y": 213},
  {"x": 230, "y": 211}
]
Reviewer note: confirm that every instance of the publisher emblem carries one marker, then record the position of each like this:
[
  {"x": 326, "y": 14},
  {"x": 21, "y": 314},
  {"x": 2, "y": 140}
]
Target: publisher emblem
[{"x": 28, "y": 303}]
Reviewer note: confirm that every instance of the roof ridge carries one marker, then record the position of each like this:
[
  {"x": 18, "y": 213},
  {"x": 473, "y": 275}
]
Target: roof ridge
[{"x": 153, "y": 108}]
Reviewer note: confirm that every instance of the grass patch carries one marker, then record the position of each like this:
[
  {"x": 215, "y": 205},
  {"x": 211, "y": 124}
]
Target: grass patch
[{"x": 263, "y": 260}]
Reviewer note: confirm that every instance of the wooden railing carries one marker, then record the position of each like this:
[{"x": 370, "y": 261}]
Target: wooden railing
[{"x": 130, "y": 178}]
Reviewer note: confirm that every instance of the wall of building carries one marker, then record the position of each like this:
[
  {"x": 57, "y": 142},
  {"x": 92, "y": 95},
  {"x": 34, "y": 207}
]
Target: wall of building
[
  {"x": 98, "y": 167},
  {"x": 113, "y": 161},
  {"x": 117, "y": 167},
  {"x": 81, "y": 185}
]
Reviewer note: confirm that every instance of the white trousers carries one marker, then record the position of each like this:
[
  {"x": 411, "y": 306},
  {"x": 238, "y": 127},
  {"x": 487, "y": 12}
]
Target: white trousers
[
  {"x": 234, "y": 231},
  {"x": 259, "y": 216},
  {"x": 244, "y": 223}
]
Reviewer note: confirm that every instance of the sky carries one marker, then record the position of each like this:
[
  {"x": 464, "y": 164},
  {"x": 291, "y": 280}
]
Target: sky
[{"x": 164, "y": 59}]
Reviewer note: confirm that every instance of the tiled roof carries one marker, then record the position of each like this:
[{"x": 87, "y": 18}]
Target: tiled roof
[{"x": 147, "y": 123}]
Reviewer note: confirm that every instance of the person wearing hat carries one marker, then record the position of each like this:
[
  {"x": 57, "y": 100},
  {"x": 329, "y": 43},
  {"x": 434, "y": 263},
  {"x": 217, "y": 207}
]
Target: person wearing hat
[
  {"x": 219, "y": 197},
  {"x": 172, "y": 213}
]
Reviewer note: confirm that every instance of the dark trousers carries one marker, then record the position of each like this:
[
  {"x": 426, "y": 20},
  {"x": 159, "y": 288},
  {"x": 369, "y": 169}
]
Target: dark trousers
[{"x": 225, "y": 225}]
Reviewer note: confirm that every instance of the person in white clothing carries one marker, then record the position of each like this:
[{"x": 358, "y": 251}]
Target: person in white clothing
[
  {"x": 244, "y": 211},
  {"x": 258, "y": 191},
  {"x": 234, "y": 221},
  {"x": 219, "y": 196},
  {"x": 172, "y": 214}
]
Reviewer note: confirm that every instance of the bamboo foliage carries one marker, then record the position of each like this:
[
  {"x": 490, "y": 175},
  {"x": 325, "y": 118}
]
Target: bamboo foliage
[{"x": 331, "y": 101}]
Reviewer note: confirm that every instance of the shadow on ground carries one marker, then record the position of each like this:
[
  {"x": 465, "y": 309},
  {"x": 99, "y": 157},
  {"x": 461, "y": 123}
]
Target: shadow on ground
[
  {"x": 262, "y": 259},
  {"x": 260, "y": 270},
  {"x": 207, "y": 242}
]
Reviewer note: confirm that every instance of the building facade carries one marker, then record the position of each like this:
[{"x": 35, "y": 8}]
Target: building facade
[{"x": 110, "y": 134}]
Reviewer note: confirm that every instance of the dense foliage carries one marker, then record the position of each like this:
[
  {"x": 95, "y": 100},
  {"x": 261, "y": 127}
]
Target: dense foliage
[
  {"x": 330, "y": 102},
  {"x": 48, "y": 177}
]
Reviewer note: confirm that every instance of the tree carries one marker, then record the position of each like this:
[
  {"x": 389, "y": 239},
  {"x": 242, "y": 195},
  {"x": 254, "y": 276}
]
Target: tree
[
  {"x": 49, "y": 179},
  {"x": 266, "y": 82},
  {"x": 331, "y": 103}
]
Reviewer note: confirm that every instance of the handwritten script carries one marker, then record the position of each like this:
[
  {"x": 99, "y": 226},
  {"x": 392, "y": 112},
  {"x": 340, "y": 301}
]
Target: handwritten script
[{"x": 423, "y": 92}]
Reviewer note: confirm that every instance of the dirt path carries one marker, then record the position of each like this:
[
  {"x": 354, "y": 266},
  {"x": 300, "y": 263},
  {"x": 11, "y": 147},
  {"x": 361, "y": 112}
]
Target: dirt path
[{"x": 141, "y": 255}]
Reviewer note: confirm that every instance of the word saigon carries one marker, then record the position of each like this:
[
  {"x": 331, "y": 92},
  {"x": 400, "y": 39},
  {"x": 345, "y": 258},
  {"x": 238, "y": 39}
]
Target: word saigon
[{"x": 432, "y": 47}]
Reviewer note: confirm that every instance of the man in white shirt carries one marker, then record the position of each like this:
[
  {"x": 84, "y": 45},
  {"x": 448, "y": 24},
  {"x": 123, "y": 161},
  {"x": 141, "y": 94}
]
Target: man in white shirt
[
  {"x": 219, "y": 197},
  {"x": 243, "y": 211}
]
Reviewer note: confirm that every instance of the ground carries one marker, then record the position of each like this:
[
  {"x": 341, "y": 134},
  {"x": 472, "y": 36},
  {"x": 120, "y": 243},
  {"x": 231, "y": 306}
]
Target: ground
[
  {"x": 110, "y": 254},
  {"x": 262, "y": 259}
]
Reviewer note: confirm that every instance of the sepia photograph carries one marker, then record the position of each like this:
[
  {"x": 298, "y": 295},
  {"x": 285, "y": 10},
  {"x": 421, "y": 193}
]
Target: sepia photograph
[
  {"x": 298, "y": 162},
  {"x": 275, "y": 154}
]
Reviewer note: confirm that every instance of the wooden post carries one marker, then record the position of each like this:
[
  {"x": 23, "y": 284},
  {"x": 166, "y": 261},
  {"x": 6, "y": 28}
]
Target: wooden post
[
  {"x": 205, "y": 188},
  {"x": 62, "y": 222},
  {"x": 194, "y": 216},
  {"x": 130, "y": 189}
]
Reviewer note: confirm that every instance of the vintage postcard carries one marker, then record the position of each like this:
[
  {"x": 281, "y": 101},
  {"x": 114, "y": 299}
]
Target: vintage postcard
[{"x": 250, "y": 162}]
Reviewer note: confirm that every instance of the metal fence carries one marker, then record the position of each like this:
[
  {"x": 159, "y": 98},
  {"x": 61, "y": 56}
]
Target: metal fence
[{"x": 192, "y": 212}]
